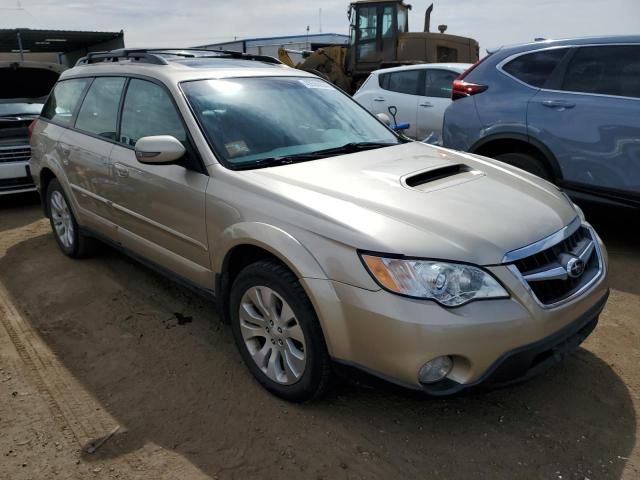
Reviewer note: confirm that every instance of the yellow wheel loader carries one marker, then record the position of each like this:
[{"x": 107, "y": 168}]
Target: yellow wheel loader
[{"x": 380, "y": 38}]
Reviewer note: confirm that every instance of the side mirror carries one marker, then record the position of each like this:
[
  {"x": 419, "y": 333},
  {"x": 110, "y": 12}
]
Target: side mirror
[
  {"x": 384, "y": 118},
  {"x": 159, "y": 149}
]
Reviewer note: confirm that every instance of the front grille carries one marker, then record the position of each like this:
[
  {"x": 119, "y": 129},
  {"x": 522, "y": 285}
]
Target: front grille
[
  {"x": 546, "y": 271},
  {"x": 15, "y": 153},
  {"x": 13, "y": 184}
]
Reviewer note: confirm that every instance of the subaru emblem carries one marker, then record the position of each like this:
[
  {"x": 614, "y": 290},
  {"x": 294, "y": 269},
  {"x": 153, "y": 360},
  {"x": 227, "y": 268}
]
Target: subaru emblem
[{"x": 575, "y": 267}]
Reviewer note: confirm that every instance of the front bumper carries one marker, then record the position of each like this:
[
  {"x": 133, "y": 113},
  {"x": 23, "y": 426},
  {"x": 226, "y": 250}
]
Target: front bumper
[
  {"x": 524, "y": 362},
  {"x": 491, "y": 342},
  {"x": 15, "y": 177}
]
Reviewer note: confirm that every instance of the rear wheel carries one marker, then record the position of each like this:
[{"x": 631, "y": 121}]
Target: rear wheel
[
  {"x": 526, "y": 162},
  {"x": 64, "y": 225},
  {"x": 277, "y": 332}
]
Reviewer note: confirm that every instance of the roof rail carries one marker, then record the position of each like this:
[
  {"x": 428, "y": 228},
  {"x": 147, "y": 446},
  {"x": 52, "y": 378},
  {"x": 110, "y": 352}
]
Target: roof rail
[
  {"x": 138, "y": 55},
  {"x": 245, "y": 56},
  {"x": 156, "y": 56}
]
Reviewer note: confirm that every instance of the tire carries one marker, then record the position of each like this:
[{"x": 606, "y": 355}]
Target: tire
[
  {"x": 526, "y": 162},
  {"x": 64, "y": 225},
  {"x": 272, "y": 339}
]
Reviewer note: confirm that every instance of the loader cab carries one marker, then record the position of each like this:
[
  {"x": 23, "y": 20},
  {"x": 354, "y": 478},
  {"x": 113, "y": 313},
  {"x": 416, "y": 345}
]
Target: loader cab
[{"x": 374, "y": 29}]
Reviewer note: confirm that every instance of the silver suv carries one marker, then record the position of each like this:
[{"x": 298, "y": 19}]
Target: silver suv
[{"x": 324, "y": 237}]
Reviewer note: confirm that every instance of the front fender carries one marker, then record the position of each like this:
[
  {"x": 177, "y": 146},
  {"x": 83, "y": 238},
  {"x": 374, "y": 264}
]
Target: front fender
[{"x": 273, "y": 239}]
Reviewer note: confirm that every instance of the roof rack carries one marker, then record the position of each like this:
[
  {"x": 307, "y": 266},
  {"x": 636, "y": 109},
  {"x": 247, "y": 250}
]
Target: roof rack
[
  {"x": 137, "y": 55},
  {"x": 157, "y": 56}
]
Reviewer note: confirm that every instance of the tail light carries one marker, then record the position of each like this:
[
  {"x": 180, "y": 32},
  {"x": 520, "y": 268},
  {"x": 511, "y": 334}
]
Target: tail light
[
  {"x": 31, "y": 126},
  {"x": 461, "y": 89}
]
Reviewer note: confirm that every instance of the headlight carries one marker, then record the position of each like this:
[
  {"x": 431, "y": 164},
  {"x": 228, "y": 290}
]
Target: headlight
[{"x": 449, "y": 284}]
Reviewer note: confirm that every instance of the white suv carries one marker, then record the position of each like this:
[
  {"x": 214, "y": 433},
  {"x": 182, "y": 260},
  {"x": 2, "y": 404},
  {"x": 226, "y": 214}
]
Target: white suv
[{"x": 421, "y": 94}]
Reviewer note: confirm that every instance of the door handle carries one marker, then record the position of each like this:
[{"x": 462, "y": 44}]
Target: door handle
[
  {"x": 121, "y": 170},
  {"x": 379, "y": 99},
  {"x": 559, "y": 104},
  {"x": 426, "y": 104}
]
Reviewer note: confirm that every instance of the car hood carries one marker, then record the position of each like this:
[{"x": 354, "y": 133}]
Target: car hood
[{"x": 418, "y": 200}]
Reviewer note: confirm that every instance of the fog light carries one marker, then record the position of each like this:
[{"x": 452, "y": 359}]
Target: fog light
[{"x": 435, "y": 370}]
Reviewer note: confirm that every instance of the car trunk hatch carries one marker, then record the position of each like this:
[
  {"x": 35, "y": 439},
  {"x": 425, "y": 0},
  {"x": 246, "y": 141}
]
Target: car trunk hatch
[{"x": 22, "y": 82}]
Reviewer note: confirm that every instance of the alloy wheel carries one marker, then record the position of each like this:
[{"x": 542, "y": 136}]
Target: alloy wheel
[
  {"x": 272, "y": 335},
  {"x": 62, "y": 219}
]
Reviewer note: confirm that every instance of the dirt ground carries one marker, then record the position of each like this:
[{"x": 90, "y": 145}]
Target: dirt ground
[{"x": 90, "y": 346}]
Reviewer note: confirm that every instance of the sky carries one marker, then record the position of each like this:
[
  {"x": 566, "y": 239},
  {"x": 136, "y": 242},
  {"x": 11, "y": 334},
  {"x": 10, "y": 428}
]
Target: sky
[{"x": 183, "y": 23}]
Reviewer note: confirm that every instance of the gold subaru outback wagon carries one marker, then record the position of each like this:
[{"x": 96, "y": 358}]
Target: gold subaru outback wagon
[{"x": 325, "y": 237}]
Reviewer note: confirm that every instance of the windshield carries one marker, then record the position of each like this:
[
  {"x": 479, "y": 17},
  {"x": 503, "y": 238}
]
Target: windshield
[
  {"x": 15, "y": 109},
  {"x": 250, "y": 120}
]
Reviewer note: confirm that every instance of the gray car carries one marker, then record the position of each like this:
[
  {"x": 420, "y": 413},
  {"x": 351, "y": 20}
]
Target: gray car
[
  {"x": 323, "y": 236},
  {"x": 566, "y": 110}
]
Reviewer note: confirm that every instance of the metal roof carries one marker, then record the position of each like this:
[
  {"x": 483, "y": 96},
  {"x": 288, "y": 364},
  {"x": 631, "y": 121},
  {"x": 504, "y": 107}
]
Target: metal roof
[
  {"x": 61, "y": 41},
  {"x": 303, "y": 36},
  {"x": 284, "y": 37}
]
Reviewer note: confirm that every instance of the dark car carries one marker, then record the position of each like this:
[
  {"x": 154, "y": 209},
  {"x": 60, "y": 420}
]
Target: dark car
[
  {"x": 565, "y": 110},
  {"x": 23, "y": 91}
]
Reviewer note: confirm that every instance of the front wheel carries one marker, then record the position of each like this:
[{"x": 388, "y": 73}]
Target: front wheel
[{"x": 277, "y": 332}]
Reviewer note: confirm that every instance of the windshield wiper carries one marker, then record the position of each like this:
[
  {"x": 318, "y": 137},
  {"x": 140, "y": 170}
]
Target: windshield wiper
[
  {"x": 264, "y": 162},
  {"x": 17, "y": 117},
  {"x": 351, "y": 147}
]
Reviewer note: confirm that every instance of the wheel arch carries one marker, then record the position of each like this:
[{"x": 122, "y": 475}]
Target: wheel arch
[
  {"x": 248, "y": 242},
  {"x": 507, "y": 142},
  {"x": 46, "y": 175}
]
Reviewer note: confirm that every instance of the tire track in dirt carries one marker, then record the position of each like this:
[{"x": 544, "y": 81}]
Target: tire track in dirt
[
  {"x": 78, "y": 415},
  {"x": 71, "y": 406}
]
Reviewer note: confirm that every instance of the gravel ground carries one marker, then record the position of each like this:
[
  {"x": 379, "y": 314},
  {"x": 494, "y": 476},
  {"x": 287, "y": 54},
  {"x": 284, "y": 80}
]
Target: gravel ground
[{"x": 104, "y": 349}]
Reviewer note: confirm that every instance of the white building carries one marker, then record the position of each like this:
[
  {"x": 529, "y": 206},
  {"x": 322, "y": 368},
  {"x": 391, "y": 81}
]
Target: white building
[{"x": 269, "y": 45}]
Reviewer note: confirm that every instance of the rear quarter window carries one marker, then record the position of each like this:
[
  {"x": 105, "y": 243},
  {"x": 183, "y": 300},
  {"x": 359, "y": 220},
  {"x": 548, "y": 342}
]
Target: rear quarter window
[
  {"x": 535, "y": 68},
  {"x": 64, "y": 100},
  {"x": 439, "y": 83}
]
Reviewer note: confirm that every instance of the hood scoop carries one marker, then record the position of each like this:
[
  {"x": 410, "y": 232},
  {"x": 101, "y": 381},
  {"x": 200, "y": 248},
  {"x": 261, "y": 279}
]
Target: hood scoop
[{"x": 441, "y": 177}]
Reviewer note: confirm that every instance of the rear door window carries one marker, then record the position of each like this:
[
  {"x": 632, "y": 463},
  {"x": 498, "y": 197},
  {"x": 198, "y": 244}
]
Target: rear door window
[
  {"x": 535, "y": 68},
  {"x": 64, "y": 100},
  {"x": 99, "y": 111},
  {"x": 605, "y": 70},
  {"x": 406, "y": 81},
  {"x": 438, "y": 83}
]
